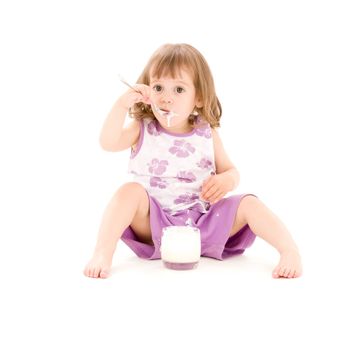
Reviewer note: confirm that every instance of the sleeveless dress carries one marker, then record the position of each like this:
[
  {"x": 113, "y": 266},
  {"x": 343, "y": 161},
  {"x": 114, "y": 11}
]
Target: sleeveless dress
[{"x": 172, "y": 168}]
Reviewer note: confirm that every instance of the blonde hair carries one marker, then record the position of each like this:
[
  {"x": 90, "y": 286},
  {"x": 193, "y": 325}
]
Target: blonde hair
[{"x": 168, "y": 60}]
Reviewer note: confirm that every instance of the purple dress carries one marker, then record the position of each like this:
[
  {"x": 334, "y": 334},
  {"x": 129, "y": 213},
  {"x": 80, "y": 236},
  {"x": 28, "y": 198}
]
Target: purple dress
[{"x": 171, "y": 167}]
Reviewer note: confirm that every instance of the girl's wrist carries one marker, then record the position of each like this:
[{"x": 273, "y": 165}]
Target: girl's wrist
[
  {"x": 231, "y": 180},
  {"x": 120, "y": 106}
]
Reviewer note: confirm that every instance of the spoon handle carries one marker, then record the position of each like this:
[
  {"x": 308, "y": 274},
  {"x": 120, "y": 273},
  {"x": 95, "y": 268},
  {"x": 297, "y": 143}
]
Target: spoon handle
[{"x": 127, "y": 84}]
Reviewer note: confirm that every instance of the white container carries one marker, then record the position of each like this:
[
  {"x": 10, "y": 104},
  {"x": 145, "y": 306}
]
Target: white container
[{"x": 180, "y": 247}]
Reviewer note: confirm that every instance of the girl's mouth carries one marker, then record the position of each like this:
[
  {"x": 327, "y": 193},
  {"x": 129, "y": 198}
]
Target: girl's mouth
[{"x": 165, "y": 113}]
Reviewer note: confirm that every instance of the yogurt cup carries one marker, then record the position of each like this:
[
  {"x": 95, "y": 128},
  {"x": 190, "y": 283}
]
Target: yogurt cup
[{"x": 180, "y": 247}]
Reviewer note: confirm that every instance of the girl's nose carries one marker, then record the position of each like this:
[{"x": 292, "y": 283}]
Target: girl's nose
[{"x": 166, "y": 98}]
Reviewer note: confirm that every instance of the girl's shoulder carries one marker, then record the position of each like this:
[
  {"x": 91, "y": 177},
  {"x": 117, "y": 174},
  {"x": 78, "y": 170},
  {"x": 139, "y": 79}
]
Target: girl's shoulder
[{"x": 202, "y": 127}]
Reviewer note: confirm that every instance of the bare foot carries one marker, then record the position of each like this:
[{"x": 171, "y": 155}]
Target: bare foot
[
  {"x": 290, "y": 265},
  {"x": 98, "y": 266}
]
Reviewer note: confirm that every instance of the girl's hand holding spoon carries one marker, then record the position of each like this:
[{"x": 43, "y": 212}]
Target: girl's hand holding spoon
[
  {"x": 141, "y": 93},
  {"x": 136, "y": 93}
]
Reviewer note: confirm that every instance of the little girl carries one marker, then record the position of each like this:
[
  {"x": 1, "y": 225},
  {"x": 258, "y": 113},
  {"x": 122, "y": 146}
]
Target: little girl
[{"x": 181, "y": 172}]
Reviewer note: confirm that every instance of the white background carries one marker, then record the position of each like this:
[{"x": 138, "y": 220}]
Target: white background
[{"x": 285, "y": 75}]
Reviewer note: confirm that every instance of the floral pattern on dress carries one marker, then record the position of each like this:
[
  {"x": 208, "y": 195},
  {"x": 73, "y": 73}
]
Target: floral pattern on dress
[
  {"x": 157, "y": 167},
  {"x": 205, "y": 163},
  {"x": 181, "y": 148},
  {"x": 186, "y": 198},
  {"x": 168, "y": 210},
  {"x": 203, "y": 129},
  {"x": 158, "y": 182},
  {"x": 186, "y": 176},
  {"x": 152, "y": 128}
]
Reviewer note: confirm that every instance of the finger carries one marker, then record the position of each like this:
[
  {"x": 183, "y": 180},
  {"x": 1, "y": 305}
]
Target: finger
[
  {"x": 141, "y": 98},
  {"x": 210, "y": 191},
  {"x": 213, "y": 197},
  {"x": 143, "y": 90},
  {"x": 217, "y": 196},
  {"x": 205, "y": 192},
  {"x": 212, "y": 194},
  {"x": 206, "y": 183},
  {"x": 207, "y": 186},
  {"x": 221, "y": 196},
  {"x": 137, "y": 97}
]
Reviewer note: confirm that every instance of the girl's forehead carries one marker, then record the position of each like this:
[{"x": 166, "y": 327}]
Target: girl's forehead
[{"x": 177, "y": 75}]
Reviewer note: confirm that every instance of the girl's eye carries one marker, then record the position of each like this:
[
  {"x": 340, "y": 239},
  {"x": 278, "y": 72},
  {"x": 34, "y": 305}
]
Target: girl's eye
[
  {"x": 157, "y": 88},
  {"x": 179, "y": 89}
]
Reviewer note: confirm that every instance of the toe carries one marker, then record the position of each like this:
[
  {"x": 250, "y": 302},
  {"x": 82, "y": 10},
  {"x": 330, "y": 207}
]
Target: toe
[
  {"x": 97, "y": 272},
  {"x": 91, "y": 272},
  {"x": 286, "y": 272},
  {"x": 291, "y": 273},
  {"x": 298, "y": 273},
  {"x": 276, "y": 272},
  {"x": 104, "y": 273}
]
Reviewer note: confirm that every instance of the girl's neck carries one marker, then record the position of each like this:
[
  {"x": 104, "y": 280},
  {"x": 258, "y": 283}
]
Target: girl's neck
[{"x": 178, "y": 129}]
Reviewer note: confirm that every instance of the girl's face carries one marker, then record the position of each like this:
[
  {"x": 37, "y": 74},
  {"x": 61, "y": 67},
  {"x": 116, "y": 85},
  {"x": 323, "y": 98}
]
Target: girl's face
[{"x": 176, "y": 96}]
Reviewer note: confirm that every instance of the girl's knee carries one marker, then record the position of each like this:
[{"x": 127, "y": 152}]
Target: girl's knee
[
  {"x": 132, "y": 188},
  {"x": 130, "y": 191},
  {"x": 133, "y": 191},
  {"x": 247, "y": 204}
]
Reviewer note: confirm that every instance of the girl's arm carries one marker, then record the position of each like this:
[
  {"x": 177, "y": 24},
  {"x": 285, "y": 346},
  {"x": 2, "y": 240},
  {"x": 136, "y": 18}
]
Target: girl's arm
[
  {"x": 113, "y": 136},
  {"x": 223, "y": 163},
  {"x": 227, "y": 177}
]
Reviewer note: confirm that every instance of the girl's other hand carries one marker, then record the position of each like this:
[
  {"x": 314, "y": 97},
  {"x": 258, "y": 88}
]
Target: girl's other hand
[
  {"x": 215, "y": 188},
  {"x": 130, "y": 97}
]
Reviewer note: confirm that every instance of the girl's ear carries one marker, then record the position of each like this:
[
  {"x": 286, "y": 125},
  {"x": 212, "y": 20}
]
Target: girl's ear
[{"x": 199, "y": 103}]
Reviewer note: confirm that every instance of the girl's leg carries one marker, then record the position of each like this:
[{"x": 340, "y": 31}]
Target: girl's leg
[
  {"x": 265, "y": 224},
  {"x": 129, "y": 205}
]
